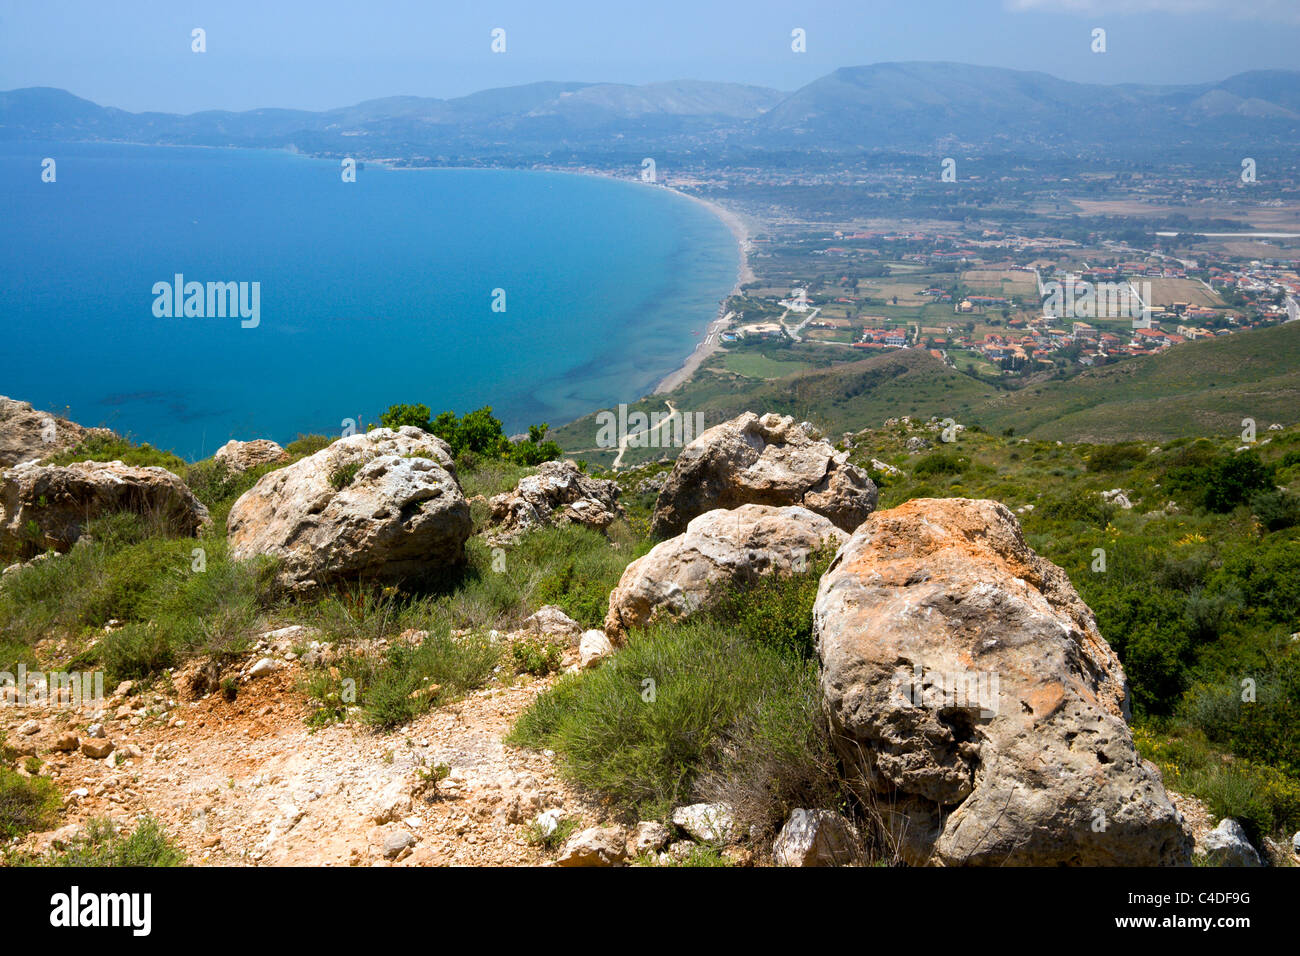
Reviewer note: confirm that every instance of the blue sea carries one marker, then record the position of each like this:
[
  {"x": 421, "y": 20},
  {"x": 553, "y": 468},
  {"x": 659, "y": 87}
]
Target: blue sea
[{"x": 371, "y": 293}]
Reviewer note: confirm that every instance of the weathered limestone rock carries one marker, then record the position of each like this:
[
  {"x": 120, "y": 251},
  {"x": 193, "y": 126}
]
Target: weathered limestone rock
[
  {"x": 239, "y": 456},
  {"x": 719, "y": 548},
  {"x": 29, "y": 435},
  {"x": 765, "y": 461},
  {"x": 381, "y": 506},
  {"x": 595, "y": 846},
  {"x": 1228, "y": 845},
  {"x": 815, "y": 838},
  {"x": 551, "y": 623},
  {"x": 557, "y": 493},
  {"x": 969, "y": 690},
  {"x": 707, "y": 822},
  {"x": 648, "y": 836},
  {"x": 593, "y": 647},
  {"x": 58, "y": 501}
]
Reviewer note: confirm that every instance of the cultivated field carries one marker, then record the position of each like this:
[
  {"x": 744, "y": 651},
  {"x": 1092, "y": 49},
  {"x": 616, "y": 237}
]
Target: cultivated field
[
  {"x": 1165, "y": 292},
  {"x": 1009, "y": 282}
]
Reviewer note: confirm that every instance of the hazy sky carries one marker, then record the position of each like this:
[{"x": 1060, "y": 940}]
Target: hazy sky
[{"x": 316, "y": 54}]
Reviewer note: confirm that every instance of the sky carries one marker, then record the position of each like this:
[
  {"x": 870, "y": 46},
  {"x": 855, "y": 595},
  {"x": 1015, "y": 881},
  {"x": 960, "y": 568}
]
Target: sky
[{"x": 318, "y": 54}]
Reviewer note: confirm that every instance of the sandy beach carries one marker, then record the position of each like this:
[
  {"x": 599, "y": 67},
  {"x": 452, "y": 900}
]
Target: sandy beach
[{"x": 744, "y": 274}]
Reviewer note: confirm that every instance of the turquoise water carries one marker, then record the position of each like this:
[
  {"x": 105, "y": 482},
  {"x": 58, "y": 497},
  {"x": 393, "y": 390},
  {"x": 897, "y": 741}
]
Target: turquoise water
[{"x": 371, "y": 293}]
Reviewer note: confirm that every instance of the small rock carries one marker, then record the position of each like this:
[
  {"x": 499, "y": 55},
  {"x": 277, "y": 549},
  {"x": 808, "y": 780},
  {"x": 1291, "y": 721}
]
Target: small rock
[
  {"x": 707, "y": 822},
  {"x": 392, "y": 803},
  {"x": 261, "y": 668},
  {"x": 595, "y": 846},
  {"x": 1228, "y": 845},
  {"x": 396, "y": 841},
  {"x": 648, "y": 836},
  {"x": 814, "y": 838},
  {"x": 593, "y": 647},
  {"x": 97, "y": 749},
  {"x": 65, "y": 743},
  {"x": 28, "y": 727},
  {"x": 547, "y": 822}
]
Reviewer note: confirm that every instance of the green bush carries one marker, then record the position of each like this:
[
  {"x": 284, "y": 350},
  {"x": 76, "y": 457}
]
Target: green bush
[
  {"x": 1148, "y": 631},
  {"x": 100, "y": 845},
  {"x": 536, "y": 656},
  {"x": 406, "y": 681},
  {"x": 1219, "y": 483},
  {"x": 674, "y": 711},
  {"x": 344, "y": 475},
  {"x": 1078, "y": 505},
  {"x": 1119, "y": 457},
  {"x": 940, "y": 463},
  {"x": 1276, "y": 510},
  {"x": 399, "y": 415},
  {"x": 26, "y": 803},
  {"x": 306, "y": 445}
]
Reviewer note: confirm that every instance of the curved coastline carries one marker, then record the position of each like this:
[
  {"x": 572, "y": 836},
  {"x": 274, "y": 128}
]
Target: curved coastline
[{"x": 736, "y": 224}]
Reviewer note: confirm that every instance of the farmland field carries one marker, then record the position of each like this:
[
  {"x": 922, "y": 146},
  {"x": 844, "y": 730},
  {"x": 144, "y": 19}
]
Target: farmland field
[
  {"x": 1166, "y": 292},
  {"x": 1001, "y": 282}
]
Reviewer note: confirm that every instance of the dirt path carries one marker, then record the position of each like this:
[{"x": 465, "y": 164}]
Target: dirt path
[
  {"x": 623, "y": 442},
  {"x": 248, "y": 783}
]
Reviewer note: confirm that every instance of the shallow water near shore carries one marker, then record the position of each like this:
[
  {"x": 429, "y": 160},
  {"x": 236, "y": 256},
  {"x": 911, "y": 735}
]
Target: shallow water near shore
[{"x": 371, "y": 293}]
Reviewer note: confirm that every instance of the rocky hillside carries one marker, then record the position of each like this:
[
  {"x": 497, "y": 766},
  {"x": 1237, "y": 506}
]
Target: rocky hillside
[{"x": 392, "y": 649}]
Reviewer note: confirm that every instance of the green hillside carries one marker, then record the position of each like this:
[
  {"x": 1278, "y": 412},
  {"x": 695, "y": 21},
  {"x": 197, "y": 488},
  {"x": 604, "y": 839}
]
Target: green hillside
[
  {"x": 1200, "y": 388},
  {"x": 840, "y": 398}
]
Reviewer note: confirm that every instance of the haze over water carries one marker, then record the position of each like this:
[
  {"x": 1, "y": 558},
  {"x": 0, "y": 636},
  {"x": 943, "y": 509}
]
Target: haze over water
[{"x": 372, "y": 292}]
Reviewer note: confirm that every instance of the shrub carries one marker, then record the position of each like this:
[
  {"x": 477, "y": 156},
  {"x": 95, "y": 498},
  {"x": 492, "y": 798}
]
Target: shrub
[
  {"x": 776, "y": 611},
  {"x": 1119, "y": 457},
  {"x": 940, "y": 463},
  {"x": 1148, "y": 631},
  {"x": 1079, "y": 505},
  {"x": 536, "y": 656},
  {"x": 344, "y": 475},
  {"x": 712, "y": 694},
  {"x": 1276, "y": 510},
  {"x": 1221, "y": 482},
  {"x": 399, "y": 415},
  {"x": 26, "y": 803},
  {"x": 305, "y": 445},
  {"x": 100, "y": 845},
  {"x": 398, "y": 686}
]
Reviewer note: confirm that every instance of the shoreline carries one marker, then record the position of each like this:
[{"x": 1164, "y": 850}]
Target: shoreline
[
  {"x": 736, "y": 224},
  {"x": 711, "y": 342}
]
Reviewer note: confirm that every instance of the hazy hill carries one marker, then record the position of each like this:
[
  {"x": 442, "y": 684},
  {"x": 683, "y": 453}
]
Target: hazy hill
[{"x": 884, "y": 105}]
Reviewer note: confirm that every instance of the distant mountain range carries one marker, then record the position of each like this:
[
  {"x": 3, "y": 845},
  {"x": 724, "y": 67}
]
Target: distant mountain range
[{"x": 898, "y": 106}]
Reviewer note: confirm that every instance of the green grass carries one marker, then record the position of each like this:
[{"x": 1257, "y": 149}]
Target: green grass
[
  {"x": 116, "y": 448},
  {"x": 396, "y": 686},
  {"x": 758, "y": 365},
  {"x": 1200, "y": 388}
]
